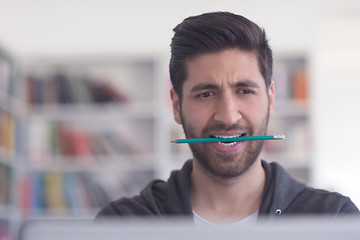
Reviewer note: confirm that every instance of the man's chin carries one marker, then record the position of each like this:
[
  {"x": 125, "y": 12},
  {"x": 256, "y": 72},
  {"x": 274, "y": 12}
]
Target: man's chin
[
  {"x": 226, "y": 173},
  {"x": 224, "y": 166}
]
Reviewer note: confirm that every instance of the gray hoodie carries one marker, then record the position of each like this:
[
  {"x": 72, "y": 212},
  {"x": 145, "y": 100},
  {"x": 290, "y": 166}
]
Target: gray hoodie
[{"x": 282, "y": 195}]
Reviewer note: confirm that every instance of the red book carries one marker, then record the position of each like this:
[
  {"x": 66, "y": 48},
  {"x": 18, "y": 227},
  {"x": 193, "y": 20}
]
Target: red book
[
  {"x": 27, "y": 197},
  {"x": 80, "y": 142},
  {"x": 65, "y": 144},
  {"x": 300, "y": 85}
]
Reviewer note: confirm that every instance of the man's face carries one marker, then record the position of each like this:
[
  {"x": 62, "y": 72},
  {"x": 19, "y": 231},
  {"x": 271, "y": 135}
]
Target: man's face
[{"x": 224, "y": 96}]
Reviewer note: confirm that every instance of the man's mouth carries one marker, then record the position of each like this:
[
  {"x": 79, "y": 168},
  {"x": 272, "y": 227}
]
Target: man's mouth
[{"x": 228, "y": 143}]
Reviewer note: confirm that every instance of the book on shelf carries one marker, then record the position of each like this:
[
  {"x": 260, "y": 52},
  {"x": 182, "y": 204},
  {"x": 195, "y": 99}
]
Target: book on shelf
[
  {"x": 291, "y": 79},
  {"x": 5, "y": 230},
  {"x": 54, "y": 192},
  {"x": 26, "y": 193},
  {"x": 38, "y": 195},
  {"x": 81, "y": 145},
  {"x": 65, "y": 141},
  {"x": 300, "y": 85},
  {"x": 7, "y": 134},
  {"x": 38, "y": 149},
  {"x": 79, "y": 90},
  {"x": 31, "y": 90},
  {"x": 114, "y": 95},
  {"x": 63, "y": 87},
  {"x": 5, "y": 183},
  {"x": 53, "y": 139},
  {"x": 98, "y": 94},
  {"x": 71, "y": 192},
  {"x": 50, "y": 94}
]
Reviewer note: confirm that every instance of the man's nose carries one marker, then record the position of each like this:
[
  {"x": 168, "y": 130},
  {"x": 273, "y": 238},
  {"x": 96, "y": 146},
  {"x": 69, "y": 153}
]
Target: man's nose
[{"x": 227, "y": 110}]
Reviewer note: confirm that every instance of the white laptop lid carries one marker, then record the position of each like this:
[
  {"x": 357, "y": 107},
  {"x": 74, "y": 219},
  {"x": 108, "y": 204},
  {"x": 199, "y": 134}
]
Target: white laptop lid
[{"x": 178, "y": 229}]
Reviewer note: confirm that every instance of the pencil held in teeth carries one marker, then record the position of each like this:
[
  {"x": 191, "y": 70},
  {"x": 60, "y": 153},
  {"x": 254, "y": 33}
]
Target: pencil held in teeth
[{"x": 233, "y": 139}]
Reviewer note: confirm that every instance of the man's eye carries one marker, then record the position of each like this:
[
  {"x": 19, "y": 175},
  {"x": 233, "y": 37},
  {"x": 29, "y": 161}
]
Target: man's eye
[
  {"x": 206, "y": 94},
  {"x": 246, "y": 91}
]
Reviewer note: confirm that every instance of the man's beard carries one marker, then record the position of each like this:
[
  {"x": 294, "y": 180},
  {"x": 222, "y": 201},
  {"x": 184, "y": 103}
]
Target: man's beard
[{"x": 223, "y": 166}]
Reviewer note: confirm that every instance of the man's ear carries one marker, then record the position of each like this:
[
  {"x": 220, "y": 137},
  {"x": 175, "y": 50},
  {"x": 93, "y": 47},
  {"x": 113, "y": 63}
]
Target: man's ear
[
  {"x": 176, "y": 105},
  {"x": 271, "y": 94}
]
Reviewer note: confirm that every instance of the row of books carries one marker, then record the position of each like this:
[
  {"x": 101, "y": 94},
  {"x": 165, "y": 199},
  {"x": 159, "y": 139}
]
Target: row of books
[
  {"x": 54, "y": 192},
  {"x": 67, "y": 88},
  {"x": 5, "y": 181},
  {"x": 60, "y": 193},
  {"x": 74, "y": 143}
]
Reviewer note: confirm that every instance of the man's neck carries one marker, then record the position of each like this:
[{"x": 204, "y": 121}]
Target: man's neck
[{"x": 227, "y": 200}]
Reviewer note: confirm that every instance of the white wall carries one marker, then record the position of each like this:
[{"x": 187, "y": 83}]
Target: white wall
[
  {"x": 112, "y": 26},
  {"x": 336, "y": 110},
  {"x": 90, "y": 27}
]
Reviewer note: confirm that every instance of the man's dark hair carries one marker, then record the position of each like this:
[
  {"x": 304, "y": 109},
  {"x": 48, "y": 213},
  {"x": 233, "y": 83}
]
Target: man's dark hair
[{"x": 213, "y": 32}]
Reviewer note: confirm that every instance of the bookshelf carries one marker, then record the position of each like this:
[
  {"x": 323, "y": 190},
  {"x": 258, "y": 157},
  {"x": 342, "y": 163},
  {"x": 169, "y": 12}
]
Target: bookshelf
[
  {"x": 292, "y": 117},
  {"x": 10, "y": 122},
  {"x": 295, "y": 152},
  {"x": 83, "y": 132},
  {"x": 91, "y": 127}
]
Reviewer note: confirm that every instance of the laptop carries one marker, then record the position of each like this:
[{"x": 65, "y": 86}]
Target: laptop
[{"x": 307, "y": 228}]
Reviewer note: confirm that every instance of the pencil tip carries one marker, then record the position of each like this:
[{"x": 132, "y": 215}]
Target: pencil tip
[{"x": 173, "y": 141}]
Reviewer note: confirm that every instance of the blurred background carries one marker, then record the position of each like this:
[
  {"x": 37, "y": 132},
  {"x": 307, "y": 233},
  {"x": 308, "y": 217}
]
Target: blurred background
[{"x": 85, "y": 115}]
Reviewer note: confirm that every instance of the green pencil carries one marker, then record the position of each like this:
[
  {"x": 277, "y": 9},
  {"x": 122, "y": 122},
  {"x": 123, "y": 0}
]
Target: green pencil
[{"x": 234, "y": 139}]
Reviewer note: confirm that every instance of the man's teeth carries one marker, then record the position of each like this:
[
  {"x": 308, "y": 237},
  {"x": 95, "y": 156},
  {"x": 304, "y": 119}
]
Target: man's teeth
[
  {"x": 218, "y": 136},
  {"x": 228, "y": 136},
  {"x": 229, "y": 144}
]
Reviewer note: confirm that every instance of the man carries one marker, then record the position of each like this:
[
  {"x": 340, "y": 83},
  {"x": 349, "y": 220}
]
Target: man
[{"x": 221, "y": 69}]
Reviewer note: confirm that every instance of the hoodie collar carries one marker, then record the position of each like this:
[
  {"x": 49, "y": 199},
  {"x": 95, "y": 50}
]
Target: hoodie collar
[{"x": 280, "y": 189}]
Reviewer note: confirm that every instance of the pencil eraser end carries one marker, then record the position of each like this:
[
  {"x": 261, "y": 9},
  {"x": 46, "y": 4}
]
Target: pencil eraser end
[{"x": 279, "y": 137}]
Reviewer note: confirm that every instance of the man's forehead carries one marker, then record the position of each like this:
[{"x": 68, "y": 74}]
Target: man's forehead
[{"x": 231, "y": 66}]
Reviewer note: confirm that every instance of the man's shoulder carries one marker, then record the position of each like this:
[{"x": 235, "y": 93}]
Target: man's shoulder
[
  {"x": 122, "y": 207},
  {"x": 313, "y": 200},
  {"x": 293, "y": 197},
  {"x": 145, "y": 203},
  {"x": 157, "y": 198}
]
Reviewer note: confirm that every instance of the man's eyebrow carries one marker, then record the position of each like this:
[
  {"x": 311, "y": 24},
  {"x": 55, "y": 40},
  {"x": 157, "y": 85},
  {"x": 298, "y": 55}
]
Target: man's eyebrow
[
  {"x": 203, "y": 86},
  {"x": 241, "y": 83},
  {"x": 246, "y": 83}
]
